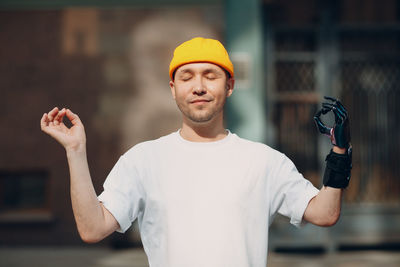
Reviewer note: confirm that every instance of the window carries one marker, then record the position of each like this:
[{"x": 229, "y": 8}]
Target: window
[{"x": 24, "y": 196}]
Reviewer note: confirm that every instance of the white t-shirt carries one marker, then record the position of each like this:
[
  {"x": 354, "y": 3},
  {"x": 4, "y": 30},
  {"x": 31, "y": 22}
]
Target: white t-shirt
[{"x": 205, "y": 204}]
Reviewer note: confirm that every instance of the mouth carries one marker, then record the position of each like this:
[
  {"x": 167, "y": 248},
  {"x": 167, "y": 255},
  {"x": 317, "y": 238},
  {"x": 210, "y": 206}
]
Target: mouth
[{"x": 199, "y": 101}]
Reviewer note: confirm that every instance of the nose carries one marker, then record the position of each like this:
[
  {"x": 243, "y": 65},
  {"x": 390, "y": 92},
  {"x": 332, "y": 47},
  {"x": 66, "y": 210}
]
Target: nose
[{"x": 198, "y": 87}]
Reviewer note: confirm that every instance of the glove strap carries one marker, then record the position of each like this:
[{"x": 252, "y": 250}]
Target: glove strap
[{"x": 337, "y": 170}]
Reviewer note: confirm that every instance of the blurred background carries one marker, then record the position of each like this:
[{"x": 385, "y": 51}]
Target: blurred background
[{"x": 108, "y": 61}]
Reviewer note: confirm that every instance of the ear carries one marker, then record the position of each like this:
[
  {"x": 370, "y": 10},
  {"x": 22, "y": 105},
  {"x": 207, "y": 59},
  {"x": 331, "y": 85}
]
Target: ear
[
  {"x": 172, "y": 87},
  {"x": 229, "y": 86}
]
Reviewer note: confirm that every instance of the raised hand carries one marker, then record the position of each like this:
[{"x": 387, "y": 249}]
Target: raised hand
[
  {"x": 340, "y": 132},
  {"x": 73, "y": 138}
]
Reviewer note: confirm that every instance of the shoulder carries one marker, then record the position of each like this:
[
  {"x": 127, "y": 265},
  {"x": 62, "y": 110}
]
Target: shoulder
[
  {"x": 258, "y": 149},
  {"x": 150, "y": 146}
]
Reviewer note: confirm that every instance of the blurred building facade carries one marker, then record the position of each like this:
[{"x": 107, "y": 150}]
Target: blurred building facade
[{"x": 109, "y": 62}]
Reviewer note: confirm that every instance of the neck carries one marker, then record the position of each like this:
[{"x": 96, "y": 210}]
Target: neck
[{"x": 203, "y": 132}]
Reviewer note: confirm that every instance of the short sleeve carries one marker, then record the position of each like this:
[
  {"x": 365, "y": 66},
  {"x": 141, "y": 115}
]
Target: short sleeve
[
  {"x": 123, "y": 194},
  {"x": 291, "y": 192}
]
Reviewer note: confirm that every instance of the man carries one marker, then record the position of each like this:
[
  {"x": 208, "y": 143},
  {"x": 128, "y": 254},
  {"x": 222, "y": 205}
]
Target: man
[{"x": 202, "y": 195}]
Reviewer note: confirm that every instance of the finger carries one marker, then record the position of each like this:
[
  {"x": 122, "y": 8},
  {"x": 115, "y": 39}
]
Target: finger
[
  {"x": 341, "y": 107},
  {"x": 44, "y": 121},
  {"x": 45, "y": 124},
  {"x": 323, "y": 111},
  {"x": 338, "y": 109},
  {"x": 339, "y": 116},
  {"x": 337, "y": 105},
  {"x": 342, "y": 113},
  {"x": 59, "y": 117},
  {"x": 74, "y": 118},
  {"x": 328, "y": 106},
  {"x": 321, "y": 126},
  {"x": 330, "y": 98},
  {"x": 318, "y": 114},
  {"x": 333, "y": 107},
  {"x": 52, "y": 113}
]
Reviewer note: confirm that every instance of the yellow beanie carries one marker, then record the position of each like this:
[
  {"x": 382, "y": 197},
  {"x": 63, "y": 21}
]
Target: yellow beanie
[{"x": 201, "y": 50}]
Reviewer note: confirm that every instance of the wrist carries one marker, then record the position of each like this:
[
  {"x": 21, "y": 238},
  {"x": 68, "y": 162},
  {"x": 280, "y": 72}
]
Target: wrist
[
  {"x": 339, "y": 150},
  {"x": 75, "y": 151},
  {"x": 338, "y": 170}
]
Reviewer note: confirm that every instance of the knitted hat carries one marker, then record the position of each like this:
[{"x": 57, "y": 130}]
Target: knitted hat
[{"x": 201, "y": 50}]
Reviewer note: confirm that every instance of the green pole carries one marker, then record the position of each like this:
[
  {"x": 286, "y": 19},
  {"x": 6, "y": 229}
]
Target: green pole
[{"x": 245, "y": 113}]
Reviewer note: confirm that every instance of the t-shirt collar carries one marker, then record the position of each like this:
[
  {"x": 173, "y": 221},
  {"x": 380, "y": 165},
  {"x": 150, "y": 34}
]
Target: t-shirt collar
[{"x": 203, "y": 144}]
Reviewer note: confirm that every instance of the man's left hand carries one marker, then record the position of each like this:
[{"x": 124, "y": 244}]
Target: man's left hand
[{"x": 340, "y": 132}]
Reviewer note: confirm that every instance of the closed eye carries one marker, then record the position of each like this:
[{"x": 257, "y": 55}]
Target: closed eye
[
  {"x": 211, "y": 76},
  {"x": 185, "y": 78}
]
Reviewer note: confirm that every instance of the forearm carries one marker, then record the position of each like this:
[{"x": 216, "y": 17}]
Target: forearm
[
  {"x": 324, "y": 208},
  {"x": 87, "y": 210}
]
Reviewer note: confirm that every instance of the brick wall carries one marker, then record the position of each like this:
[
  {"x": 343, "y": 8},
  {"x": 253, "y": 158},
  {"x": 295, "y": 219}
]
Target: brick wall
[{"x": 111, "y": 67}]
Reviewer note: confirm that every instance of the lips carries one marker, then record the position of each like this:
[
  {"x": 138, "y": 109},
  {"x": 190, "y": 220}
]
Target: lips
[{"x": 194, "y": 101}]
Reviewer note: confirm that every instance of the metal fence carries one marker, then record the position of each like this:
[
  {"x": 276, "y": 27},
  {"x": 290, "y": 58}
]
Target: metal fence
[
  {"x": 367, "y": 76},
  {"x": 370, "y": 82}
]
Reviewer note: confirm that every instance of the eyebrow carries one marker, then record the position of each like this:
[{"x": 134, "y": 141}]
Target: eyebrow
[
  {"x": 183, "y": 71},
  {"x": 211, "y": 70}
]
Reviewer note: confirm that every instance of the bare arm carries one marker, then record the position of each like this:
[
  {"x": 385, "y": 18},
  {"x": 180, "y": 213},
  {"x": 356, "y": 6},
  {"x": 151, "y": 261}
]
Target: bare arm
[
  {"x": 94, "y": 222},
  {"x": 324, "y": 208}
]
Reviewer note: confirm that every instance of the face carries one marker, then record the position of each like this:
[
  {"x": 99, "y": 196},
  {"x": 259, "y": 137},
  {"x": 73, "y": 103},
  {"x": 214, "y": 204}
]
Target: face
[{"x": 200, "y": 91}]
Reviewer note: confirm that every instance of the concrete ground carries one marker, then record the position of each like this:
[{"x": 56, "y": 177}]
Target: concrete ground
[{"x": 103, "y": 257}]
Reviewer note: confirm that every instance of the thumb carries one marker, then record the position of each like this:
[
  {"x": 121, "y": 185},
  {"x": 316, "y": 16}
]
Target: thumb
[
  {"x": 321, "y": 126},
  {"x": 74, "y": 118}
]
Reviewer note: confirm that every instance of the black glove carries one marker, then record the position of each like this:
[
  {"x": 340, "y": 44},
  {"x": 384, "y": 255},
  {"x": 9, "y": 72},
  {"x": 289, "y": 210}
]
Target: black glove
[
  {"x": 340, "y": 132},
  {"x": 338, "y": 167}
]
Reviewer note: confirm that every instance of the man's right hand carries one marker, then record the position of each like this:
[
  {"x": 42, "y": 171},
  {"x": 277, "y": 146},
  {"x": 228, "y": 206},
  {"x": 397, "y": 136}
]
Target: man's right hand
[
  {"x": 73, "y": 139},
  {"x": 93, "y": 220}
]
